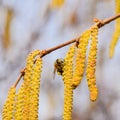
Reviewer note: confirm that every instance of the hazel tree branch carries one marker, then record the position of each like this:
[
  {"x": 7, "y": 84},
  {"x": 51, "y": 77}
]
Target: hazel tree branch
[{"x": 99, "y": 23}]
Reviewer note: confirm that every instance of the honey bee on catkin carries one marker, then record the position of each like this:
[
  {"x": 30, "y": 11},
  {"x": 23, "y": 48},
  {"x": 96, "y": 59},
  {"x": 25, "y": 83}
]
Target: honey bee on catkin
[{"x": 58, "y": 66}]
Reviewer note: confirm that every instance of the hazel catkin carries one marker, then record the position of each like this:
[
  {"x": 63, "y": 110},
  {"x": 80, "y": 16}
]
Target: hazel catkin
[
  {"x": 9, "y": 106},
  {"x": 27, "y": 83},
  {"x": 35, "y": 89},
  {"x": 68, "y": 102},
  {"x": 116, "y": 34},
  {"x": 68, "y": 88},
  {"x": 19, "y": 104},
  {"x": 91, "y": 64},
  {"x": 6, "y": 36},
  {"x": 80, "y": 58},
  {"x": 68, "y": 66}
]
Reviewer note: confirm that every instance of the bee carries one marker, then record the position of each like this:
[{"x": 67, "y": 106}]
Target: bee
[{"x": 58, "y": 66}]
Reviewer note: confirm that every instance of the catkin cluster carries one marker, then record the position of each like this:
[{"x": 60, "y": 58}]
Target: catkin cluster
[
  {"x": 74, "y": 66},
  {"x": 24, "y": 104},
  {"x": 116, "y": 34}
]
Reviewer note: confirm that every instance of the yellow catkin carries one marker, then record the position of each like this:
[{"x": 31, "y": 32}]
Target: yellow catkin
[
  {"x": 68, "y": 65},
  {"x": 19, "y": 104},
  {"x": 6, "y": 36},
  {"x": 68, "y": 88},
  {"x": 27, "y": 83},
  {"x": 35, "y": 89},
  {"x": 68, "y": 102},
  {"x": 8, "y": 109},
  {"x": 116, "y": 34},
  {"x": 91, "y": 65},
  {"x": 80, "y": 58},
  {"x": 57, "y": 3}
]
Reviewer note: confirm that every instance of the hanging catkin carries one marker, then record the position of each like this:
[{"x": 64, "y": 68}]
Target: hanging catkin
[
  {"x": 68, "y": 65},
  {"x": 68, "y": 88},
  {"x": 19, "y": 104},
  {"x": 6, "y": 36},
  {"x": 91, "y": 65},
  {"x": 27, "y": 83},
  {"x": 8, "y": 109},
  {"x": 68, "y": 102},
  {"x": 35, "y": 89},
  {"x": 80, "y": 58},
  {"x": 116, "y": 34}
]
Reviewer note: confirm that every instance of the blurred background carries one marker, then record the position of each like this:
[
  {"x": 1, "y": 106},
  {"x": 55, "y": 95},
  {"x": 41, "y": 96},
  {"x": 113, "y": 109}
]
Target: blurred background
[{"x": 26, "y": 25}]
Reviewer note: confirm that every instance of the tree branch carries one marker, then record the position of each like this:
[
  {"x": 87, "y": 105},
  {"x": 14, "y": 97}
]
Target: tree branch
[{"x": 99, "y": 23}]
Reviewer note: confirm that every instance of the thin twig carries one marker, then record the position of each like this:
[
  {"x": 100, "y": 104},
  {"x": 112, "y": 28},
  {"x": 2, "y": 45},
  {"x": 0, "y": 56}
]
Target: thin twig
[
  {"x": 104, "y": 22},
  {"x": 99, "y": 23},
  {"x": 58, "y": 47},
  {"x": 20, "y": 76}
]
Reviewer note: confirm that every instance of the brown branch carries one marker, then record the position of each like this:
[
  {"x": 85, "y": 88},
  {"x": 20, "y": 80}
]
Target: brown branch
[
  {"x": 20, "y": 76},
  {"x": 104, "y": 22},
  {"x": 58, "y": 47},
  {"x": 99, "y": 23}
]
